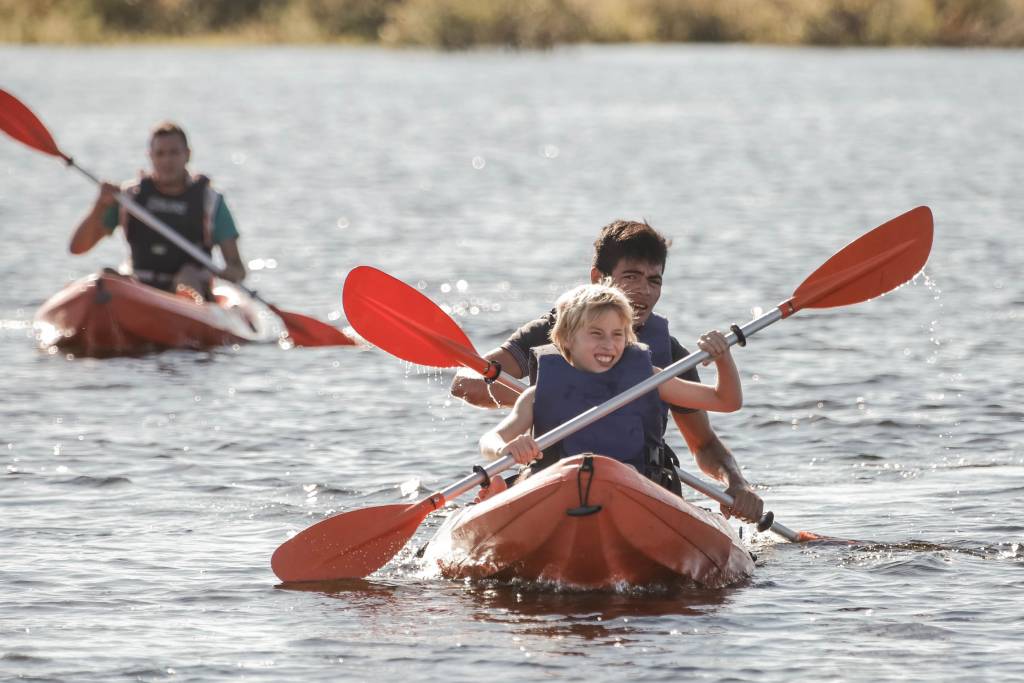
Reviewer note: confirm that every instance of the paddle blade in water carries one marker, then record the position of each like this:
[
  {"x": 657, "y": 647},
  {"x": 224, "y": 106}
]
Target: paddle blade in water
[
  {"x": 811, "y": 537},
  {"x": 399, "y": 319},
  {"x": 306, "y": 331},
  {"x": 870, "y": 266},
  {"x": 20, "y": 123},
  {"x": 350, "y": 545}
]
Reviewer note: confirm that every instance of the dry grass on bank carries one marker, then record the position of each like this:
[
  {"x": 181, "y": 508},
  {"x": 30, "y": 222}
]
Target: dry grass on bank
[{"x": 461, "y": 24}]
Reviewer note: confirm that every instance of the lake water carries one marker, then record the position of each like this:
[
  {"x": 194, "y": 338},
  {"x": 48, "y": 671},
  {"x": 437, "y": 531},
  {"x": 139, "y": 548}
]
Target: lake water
[{"x": 142, "y": 497}]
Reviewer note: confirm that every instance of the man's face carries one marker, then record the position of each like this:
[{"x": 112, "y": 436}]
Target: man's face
[
  {"x": 641, "y": 281},
  {"x": 169, "y": 156}
]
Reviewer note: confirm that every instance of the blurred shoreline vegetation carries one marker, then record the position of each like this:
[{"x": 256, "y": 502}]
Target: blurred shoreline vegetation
[{"x": 464, "y": 24}]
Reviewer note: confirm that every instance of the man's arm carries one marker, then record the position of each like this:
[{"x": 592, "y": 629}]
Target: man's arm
[
  {"x": 514, "y": 356},
  {"x": 225, "y": 235},
  {"x": 234, "y": 269},
  {"x": 717, "y": 461},
  {"x": 92, "y": 228},
  {"x": 472, "y": 389}
]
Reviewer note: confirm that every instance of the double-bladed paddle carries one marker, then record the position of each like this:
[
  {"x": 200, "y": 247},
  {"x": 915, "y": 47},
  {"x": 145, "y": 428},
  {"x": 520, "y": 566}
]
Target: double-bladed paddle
[
  {"x": 399, "y": 319},
  {"x": 20, "y": 123},
  {"x": 357, "y": 543}
]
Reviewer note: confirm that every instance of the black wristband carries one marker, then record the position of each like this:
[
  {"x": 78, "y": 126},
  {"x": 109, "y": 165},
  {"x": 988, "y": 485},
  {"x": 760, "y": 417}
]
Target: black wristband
[
  {"x": 741, "y": 338},
  {"x": 496, "y": 367},
  {"x": 486, "y": 483}
]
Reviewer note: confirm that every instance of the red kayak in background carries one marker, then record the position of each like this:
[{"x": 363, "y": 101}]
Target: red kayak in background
[
  {"x": 107, "y": 314},
  {"x": 64, "y": 316},
  {"x": 590, "y": 522}
]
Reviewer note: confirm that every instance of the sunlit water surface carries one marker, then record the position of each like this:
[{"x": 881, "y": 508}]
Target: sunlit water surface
[{"x": 143, "y": 497}]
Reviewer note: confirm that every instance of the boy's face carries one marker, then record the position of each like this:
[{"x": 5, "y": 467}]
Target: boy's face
[
  {"x": 598, "y": 345},
  {"x": 640, "y": 280},
  {"x": 169, "y": 156}
]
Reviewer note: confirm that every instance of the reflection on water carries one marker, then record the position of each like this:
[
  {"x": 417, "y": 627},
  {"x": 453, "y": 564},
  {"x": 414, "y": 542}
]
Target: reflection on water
[
  {"x": 529, "y": 609},
  {"x": 591, "y": 615}
]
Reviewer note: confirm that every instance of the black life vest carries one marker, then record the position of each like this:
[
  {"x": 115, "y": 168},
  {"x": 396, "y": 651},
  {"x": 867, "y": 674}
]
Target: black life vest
[
  {"x": 154, "y": 259},
  {"x": 632, "y": 434}
]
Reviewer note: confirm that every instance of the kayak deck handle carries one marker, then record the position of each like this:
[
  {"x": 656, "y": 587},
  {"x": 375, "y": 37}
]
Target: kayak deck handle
[{"x": 584, "y": 508}]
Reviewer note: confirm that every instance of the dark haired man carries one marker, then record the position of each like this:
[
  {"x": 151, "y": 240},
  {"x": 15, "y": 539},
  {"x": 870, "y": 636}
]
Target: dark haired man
[
  {"x": 185, "y": 202},
  {"x": 633, "y": 255}
]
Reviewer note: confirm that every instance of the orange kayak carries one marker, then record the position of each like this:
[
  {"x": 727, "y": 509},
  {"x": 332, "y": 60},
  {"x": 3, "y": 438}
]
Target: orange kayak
[
  {"x": 595, "y": 526},
  {"x": 107, "y": 314}
]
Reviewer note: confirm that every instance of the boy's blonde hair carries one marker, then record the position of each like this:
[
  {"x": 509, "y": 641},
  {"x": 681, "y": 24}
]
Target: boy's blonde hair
[{"x": 580, "y": 306}]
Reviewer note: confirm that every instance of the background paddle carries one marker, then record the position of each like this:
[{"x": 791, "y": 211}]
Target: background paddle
[
  {"x": 20, "y": 123},
  {"x": 357, "y": 543},
  {"x": 401, "y": 320}
]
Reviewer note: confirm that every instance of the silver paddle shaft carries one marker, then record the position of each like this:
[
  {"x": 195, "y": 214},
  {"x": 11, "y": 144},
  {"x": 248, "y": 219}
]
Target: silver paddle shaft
[
  {"x": 611, "y": 405},
  {"x": 511, "y": 382},
  {"x": 140, "y": 212}
]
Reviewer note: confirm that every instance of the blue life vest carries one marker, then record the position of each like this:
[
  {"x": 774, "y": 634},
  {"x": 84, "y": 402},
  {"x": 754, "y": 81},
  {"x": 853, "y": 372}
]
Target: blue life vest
[
  {"x": 655, "y": 335},
  {"x": 187, "y": 214},
  {"x": 632, "y": 434}
]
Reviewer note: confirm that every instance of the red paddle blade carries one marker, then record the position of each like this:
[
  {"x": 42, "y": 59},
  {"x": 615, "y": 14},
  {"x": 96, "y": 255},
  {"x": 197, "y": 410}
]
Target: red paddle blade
[
  {"x": 306, "y": 331},
  {"x": 870, "y": 266},
  {"x": 20, "y": 123},
  {"x": 350, "y": 545},
  {"x": 399, "y": 319},
  {"x": 811, "y": 537}
]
